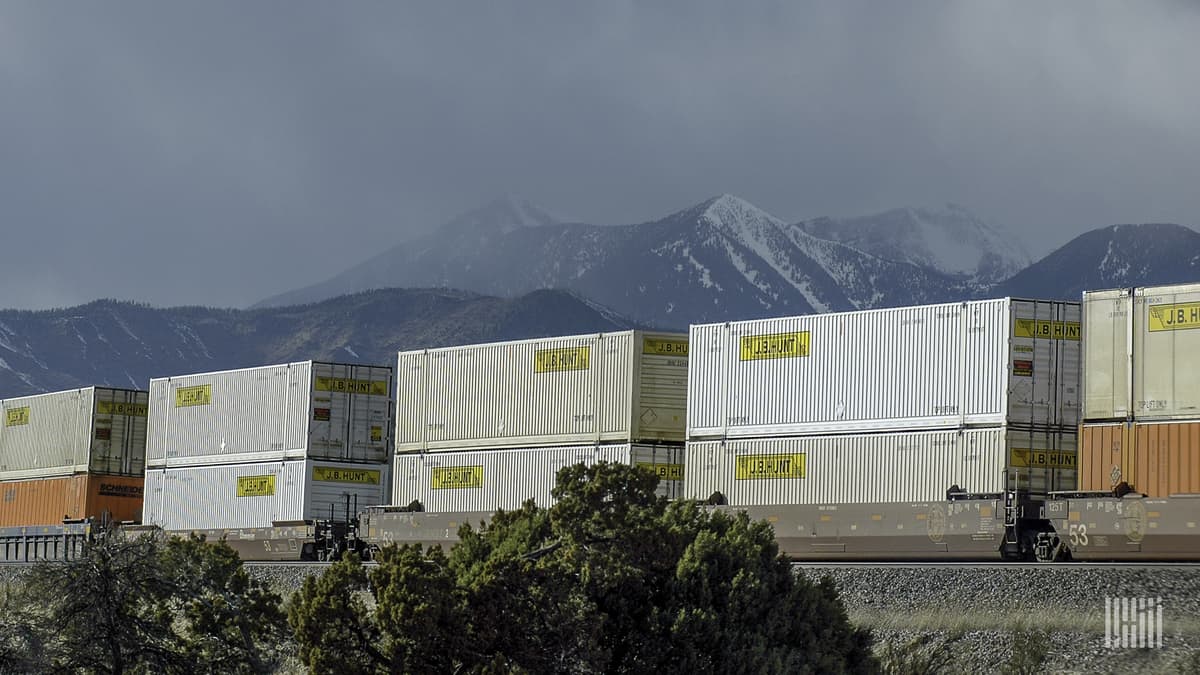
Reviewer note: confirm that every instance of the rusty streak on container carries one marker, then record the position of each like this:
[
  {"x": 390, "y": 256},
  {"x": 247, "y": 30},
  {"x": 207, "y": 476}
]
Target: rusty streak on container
[{"x": 47, "y": 501}]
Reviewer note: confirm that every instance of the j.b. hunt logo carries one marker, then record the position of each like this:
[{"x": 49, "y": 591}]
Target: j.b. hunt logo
[{"x": 1133, "y": 623}]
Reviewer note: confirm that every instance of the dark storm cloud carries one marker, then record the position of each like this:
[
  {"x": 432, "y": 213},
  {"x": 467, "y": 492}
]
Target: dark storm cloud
[{"x": 217, "y": 153}]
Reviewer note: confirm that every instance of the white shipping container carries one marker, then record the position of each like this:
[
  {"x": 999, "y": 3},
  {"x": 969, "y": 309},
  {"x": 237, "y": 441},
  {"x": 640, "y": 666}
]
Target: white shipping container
[
  {"x": 1107, "y": 341},
  {"x": 96, "y": 429},
  {"x": 488, "y": 480},
  {"x": 986, "y": 362},
  {"x": 620, "y": 387},
  {"x": 1166, "y": 352},
  {"x": 304, "y": 410},
  {"x": 879, "y": 468},
  {"x": 260, "y": 494}
]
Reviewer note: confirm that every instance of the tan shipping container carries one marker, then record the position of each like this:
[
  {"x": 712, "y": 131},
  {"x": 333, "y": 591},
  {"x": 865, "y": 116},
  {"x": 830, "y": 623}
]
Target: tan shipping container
[
  {"x": 92, "y": 430},
  {"x": 1141, "y": 351},
  {"x": 1157, "y": 459},
  {"x": 47, "y": 501},
  {"x": 622, "y": 387}
]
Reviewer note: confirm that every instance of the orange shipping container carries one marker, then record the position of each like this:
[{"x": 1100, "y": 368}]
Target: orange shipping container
[
  {"x": 1156, "y": 459},
  {"x": 46, "y": 501}
]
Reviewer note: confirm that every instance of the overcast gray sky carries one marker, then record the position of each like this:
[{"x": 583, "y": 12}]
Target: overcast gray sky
[{"x": 221, "y": 152}]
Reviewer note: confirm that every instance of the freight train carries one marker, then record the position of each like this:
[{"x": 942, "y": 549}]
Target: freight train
[{"x": 988, "y": 430}]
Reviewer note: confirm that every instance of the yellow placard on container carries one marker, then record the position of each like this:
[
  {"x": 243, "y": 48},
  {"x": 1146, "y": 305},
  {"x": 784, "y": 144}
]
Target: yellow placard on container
[
  {"x": 121, "y": 408},
  {"x": 256, "y": 486},
  {"x": 186, "y": 397},
  {"x": 775, "y": 346},
  {"x": 1183, "y": 316},
  {"x": 763, "y": 467},
  {"x": 1043, "y": 459},
  {"x": 557, "y": 360},
  {"x": 661, "y": 347},
  {"x": 333, "y": 474},
  {"x": 344, "y": 386},
  {"x": 665, "y": 471},
  {"x": 456, "y": 477},
  {"x": 1046, "y": 330},
  {"x": 14, "y": 417}
]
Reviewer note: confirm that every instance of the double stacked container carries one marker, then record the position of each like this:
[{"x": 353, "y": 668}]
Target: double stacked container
[
  {"x": 72, "y": 455},
  {"x": 483, "y": 427},
  {"x": 276, "y": 444},
  {"x": 885, "y": 405},
  {"x": 1142, "y": 390}
]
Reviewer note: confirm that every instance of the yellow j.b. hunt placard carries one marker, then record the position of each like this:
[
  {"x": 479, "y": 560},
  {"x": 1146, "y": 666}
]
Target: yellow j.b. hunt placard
[
  {"x": 186, "y": 397},
  {"x": 1043, "y": 459},
  {"x": 456, "y": 477},
  {"x": 1182, "y": 316},
  {"x": 775, "y": 346},
  {"x": 15, "y": 417},
  {"x": 555, "y": 360},
  {"x": 121, "y": 408},
  {"x": 1051, "y": 330},
  {"x": 343, "y": 386},
  {"x": 333, "y": 474},
  {"x": 762, "y": 467},
  {"x": 662, "y": 347},
  {"x": 665, "y": 471},
  {"x": 256, "y": 486}
]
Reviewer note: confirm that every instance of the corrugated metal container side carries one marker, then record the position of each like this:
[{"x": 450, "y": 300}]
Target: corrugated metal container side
[
  {"x": 613, "y": 387},
  {"x": 878, "y": 468},
  {"x": 1166, "y": 352},
  {"x": 934, "y": 366},
  {"x": 96, "y": 429},
  {"x": 259, "y": 494},
  {"x": 47, "y": 501},
  {"x": 1107, "y": 335},
  {"x": 1100, "y": 452},
  {"x": 1158, "y": 459},
  {"x": 289, "y": 411},
  {"x": 488, "y": 480}
]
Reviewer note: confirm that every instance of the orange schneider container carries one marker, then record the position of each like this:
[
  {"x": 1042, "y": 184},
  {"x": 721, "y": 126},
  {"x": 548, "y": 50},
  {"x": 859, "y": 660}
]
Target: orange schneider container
[
  {"x": 1157, "y": 459},
  {"x": 46, "y": 501}
]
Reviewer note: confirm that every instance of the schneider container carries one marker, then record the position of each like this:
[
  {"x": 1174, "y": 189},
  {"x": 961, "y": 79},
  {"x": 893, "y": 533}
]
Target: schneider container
[
  {"x": 879, "y": 468},
  {"x": 1142, "y": 353},
  {"x": 305, "y": 410},
  {"x": 624, "y": 387},
  {"x": 987, "y": 362},
  {"x": 72, "y": 455},
  {"x": 260, "y": 494},
  {"x": 1157, "y": 459},
  {"x": 503, "y": 479}
]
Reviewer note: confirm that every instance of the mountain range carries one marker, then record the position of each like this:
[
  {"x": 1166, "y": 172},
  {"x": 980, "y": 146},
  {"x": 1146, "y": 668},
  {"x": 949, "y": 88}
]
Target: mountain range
[
  {"x": 124, "y": 344},
  {"x": 720, "y": 260},
  {"x": 726, "y": 259}
]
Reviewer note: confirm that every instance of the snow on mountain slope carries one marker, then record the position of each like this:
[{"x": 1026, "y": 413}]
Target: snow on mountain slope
[{"x": 950, "y": 240}]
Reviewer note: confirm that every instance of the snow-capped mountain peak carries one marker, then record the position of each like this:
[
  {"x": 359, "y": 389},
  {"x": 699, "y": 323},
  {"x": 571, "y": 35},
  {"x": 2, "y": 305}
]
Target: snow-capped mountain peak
[
  {"x": 505, "y": 214},
  {"x": 728, "y": 212},
  {"x": 950, "y": 239}
]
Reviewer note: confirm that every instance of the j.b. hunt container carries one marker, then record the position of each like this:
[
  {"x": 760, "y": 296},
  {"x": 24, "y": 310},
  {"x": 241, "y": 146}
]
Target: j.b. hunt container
[
  {"x": 624, "y": 387},
  {"x": 880, "y": 467},
  {"x": 503, "y": 479},
  {"x": 304, "y": 410},
  {"x": 93, "y": 430},
  {"x": 1142, "y": 353},
  {"x": 987, "y": 362},
  {"x": 260, "y": 494}
]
